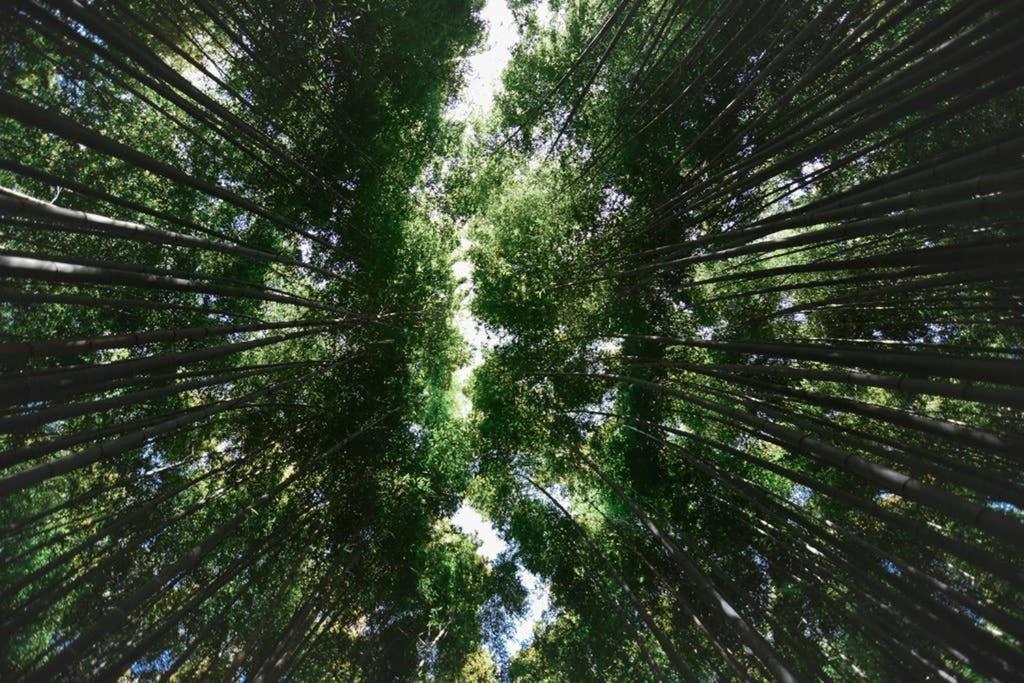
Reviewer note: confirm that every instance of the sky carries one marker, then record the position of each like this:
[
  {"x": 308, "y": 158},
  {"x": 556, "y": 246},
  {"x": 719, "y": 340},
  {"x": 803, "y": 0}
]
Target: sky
[
  {"x": 491, "y": 545},
  {"x": 483, "y": 79},
  {"x": 484, "y": 73}
]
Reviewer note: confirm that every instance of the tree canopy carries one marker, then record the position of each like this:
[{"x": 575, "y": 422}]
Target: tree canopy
[{"x": 752, "y": 406}]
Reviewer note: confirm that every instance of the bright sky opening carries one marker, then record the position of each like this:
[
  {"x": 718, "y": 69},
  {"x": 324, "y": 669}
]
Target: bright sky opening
[{"x": 483, "y": 79}]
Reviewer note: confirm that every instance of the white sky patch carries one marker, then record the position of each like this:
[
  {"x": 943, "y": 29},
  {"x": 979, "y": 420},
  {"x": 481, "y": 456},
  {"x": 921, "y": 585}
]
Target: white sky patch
[
  {"x": 472, "y": 523},
  {"x": 610, "y": 346},
  {"x": 539, "y": 601},
  {"x": 484, "y": 75},
  {"x": 483, "y": 79},
  {"x": 477, "y": 337},
  {"x": 538, "y": 591}
]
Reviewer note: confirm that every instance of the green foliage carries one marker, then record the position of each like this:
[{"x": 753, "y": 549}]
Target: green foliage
[
  {"x": 329, "y": 480},
  {"x": 663, "y": 180},
  {"x": 753, "y": 409}
]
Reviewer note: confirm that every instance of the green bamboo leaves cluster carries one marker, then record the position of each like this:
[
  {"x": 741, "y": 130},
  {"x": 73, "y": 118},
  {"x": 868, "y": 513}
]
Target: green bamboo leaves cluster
[
  {"x": 223, "y": 314},
  {"x": 751, "y": 269},
  {"x": 754, "y": 269}
]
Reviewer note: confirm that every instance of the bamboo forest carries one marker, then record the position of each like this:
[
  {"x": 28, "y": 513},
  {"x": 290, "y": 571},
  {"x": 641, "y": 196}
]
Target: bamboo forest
[{"x": 511, "y": 340}]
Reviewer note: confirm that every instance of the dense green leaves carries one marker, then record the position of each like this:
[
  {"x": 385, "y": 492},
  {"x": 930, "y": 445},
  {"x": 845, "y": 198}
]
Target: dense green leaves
[
  {"x": 233, "y": 489},
  {"x": 751, "y": 273},
  {"x": 746, "y": 320}
]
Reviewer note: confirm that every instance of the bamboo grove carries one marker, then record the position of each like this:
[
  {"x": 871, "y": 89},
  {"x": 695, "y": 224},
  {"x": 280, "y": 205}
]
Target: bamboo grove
[
  {"x": 223, "y": 310},
  {"x": 753, "y": 269}
]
